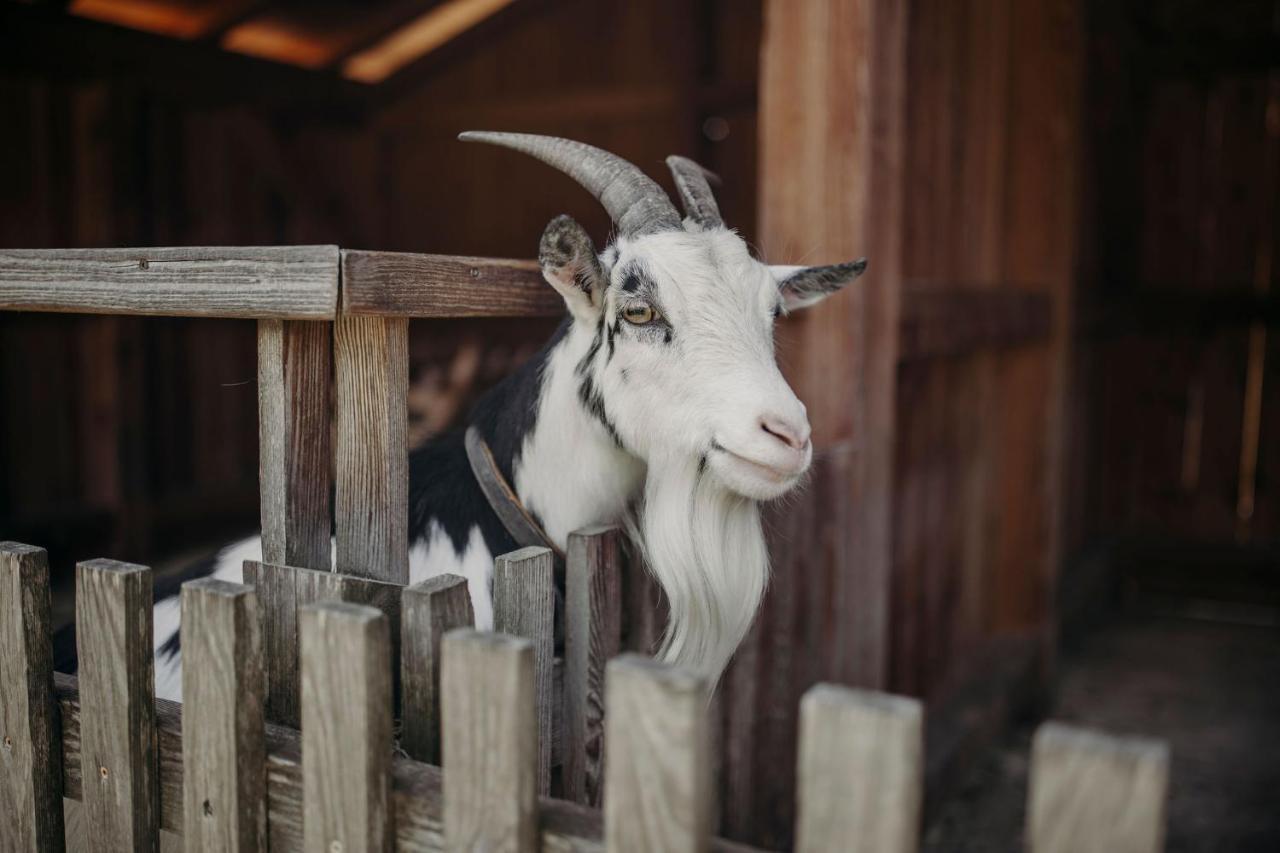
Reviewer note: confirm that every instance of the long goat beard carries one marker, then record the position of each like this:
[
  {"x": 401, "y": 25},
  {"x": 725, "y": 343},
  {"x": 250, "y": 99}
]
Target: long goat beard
[{"x": 705, "y": 546}]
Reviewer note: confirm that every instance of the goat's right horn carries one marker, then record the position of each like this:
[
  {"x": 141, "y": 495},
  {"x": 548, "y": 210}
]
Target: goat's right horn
[
  {"x": 694, "y": 184},
  {"x": 635, "y": 203}
]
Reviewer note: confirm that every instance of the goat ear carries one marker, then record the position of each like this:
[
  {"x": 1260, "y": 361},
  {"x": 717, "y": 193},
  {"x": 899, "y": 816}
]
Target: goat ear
[
  {"x": 804, "y": 286},
  {"x": 570, "y": 265}
]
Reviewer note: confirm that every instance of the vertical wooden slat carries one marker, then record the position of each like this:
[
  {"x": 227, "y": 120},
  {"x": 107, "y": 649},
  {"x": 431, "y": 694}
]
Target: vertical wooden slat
[
  {"x": 524, "y": 605},
  {"x": 223, "y": 749},
  {"x": 346, "y": 727},
  {"x": 658, "y": 777},
  {"x": 489, "y": 739},
  {"x": 593, "y": 635},
  {"x": 372, "y": 488},
  {"x": 117, "y": 700},
  {"x": 1091, "y": 791},
  {"x": 428, "y": 611},
  {"x": 860, "y": 772},
  {"x": 30, "y": 740},
  {"x": 295, "y": 457}
]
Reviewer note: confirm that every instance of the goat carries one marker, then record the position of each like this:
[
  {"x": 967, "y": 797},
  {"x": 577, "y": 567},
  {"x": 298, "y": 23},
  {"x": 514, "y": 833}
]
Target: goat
[{"x": 657, "y": 404}]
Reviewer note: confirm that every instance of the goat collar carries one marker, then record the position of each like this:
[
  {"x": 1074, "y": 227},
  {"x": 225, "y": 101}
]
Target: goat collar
[{"x": 502, "y": 498}]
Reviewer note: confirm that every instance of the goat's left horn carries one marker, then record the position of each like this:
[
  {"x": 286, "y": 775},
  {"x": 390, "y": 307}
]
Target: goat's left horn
[{"x": 694, "y": 184}]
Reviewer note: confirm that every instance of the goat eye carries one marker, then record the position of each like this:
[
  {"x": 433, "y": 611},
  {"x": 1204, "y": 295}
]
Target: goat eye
[{"x": 639, "y": 315}]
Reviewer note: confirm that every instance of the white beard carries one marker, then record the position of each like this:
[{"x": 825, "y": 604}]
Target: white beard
[{"x": 706, "y": 547}]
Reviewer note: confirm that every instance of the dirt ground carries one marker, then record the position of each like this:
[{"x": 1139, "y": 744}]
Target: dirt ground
[{"x": 1212, "y": 690}]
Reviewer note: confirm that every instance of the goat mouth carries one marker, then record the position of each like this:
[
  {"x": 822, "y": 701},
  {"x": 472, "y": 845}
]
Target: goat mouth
[{"x": 770, "y": 473}]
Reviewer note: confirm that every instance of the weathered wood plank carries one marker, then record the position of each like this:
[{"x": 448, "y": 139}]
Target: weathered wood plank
[
  {"x": 282, "y": 591},
  {"x": 223, "y": 688},
  {"x": 346, "y": 727},
  {"x": 411, "y": 285},
  {"x": 861, "y": 771},
  {"x": 295, "y": 380},
  {"x": 288, "y": 282},
  {"x": 593, "y": 635},
  {"x": 490, "y": 742},
  {"x": 1091, "y": 791},
  {"x": 658, "y": 776},
  {"x": 30, "y": 752},
  {"x": 372, "y": 488},
  {"x": 117, "y": 684},
  {"x": 428, "y": 611},
  {"x": 939, "y": 323},
  {"x": 524, "y": 605}
]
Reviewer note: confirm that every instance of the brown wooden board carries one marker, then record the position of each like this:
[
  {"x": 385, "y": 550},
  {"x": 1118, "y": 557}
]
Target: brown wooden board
[{"x": 402, "y": 284}]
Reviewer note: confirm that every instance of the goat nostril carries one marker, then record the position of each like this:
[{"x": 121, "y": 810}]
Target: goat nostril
[{"x": 784, "y": 432}]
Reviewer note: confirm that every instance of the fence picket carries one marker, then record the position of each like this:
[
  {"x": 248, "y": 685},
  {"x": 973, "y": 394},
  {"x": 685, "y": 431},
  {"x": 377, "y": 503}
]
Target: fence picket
[
  {"x": 117, "y": 698},
  {"x": 428, "y": 611},
  {"x": 223, "y": 748},
  {"x": 346, "y": 727},
  {"x": 658, "y": 778},
  {"x": 31, "y": 769},
  {"x": 1091, "y": 791},
  {"x": 489, "y": 737},
  {"x": 861, "y": 771},
  {"x": 524, "y": 605},
  {"x": 593, "y": 635}
]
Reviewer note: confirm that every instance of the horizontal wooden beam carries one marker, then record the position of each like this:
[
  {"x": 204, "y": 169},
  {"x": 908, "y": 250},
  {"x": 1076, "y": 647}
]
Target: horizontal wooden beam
[
  {"x": 945, "y": 322},
  {"x": 286, "y": 282},
  {"x": 404, "y": 284}
]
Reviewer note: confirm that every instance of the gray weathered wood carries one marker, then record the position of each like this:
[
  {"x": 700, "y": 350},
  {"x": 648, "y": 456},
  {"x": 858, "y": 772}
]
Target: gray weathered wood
[
  {"x": 282, "y": 590},
  {"x": 490, "y": 742},
  {"x": 290, "y": 282},
  {"x": 117, "y": 690},
  {"x": 860, "y": 771},
  {"x": 372, "y": 488},
  {"x": 1091, "y": 791},
  {"x": 524, "y": 605},
  {"x": 346, "y": 727},
  {"x": 412, "y": 285},
  {"x": 30, "y": 751},
  {"x": 295, "y": 456},
  {"x": 593, "y": 635},
  {"x": 428, "y": 611},
  {"x": 223, "y": 751},
  {"x": 657, "y": 792}
]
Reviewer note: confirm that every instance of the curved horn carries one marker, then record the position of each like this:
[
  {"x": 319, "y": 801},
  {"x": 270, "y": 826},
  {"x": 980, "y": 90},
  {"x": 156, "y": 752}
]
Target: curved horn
[
  {"x": 694, "y": 184},
  {"x": 635, "y": 203}
]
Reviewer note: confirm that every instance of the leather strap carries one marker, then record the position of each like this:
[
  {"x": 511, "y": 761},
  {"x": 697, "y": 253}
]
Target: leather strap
[{"x": 510, "y": 511}]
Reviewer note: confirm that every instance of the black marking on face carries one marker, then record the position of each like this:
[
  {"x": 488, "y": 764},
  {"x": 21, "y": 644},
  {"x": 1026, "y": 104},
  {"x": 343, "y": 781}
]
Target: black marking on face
[
  {"x": 610, "y": 334},
  {"x": 702, "y": 464},
  {"x": 666, "y": 335},
  {"x": 584, "y": 364},
  {"x": 594, "y": 404}
]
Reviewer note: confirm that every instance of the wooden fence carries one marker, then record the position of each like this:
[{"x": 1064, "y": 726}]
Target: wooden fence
[{"x": 293, "y": 681}]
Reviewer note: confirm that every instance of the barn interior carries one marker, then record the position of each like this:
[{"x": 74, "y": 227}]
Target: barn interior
[{"x": 1047, "y": 478}]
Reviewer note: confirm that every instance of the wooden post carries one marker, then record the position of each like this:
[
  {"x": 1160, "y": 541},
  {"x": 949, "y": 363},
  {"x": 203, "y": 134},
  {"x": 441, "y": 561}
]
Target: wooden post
[
  {"x": 1091, "y": 791},
  {"x": 117, "y": 701},
  {"x": 524, "y": 605},
  {"x": 346, "y": 728},
  {"x": 490, "y": 736},
  {"x": 372, "y": 488},
  {"x": 428, "y": 611},
  {"x": 658, "y": 777},
  {"x": 592, "y": 636},
  {"x": 295, "y": 456},
  {"x": 860, "y": 772},
  {"x": 30, "y": 740},
  {"x": 224, "y": 778}
]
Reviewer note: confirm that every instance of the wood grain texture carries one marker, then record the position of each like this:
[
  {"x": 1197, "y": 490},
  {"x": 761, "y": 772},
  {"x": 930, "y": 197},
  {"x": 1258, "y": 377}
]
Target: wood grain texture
[
  {"x": 861, "y": 771},
  {"x": 372, "y": 488},
  {"x": 117, "y": 686},
  {"x": 223, "y": 688},
  {"x": 658, "y": 777},
  {"x": 295, "y": 455},
  {"x": 1091, "y": 791},
  {"x": 938, "y": 323},
  {"x": 403, "y": 284},
  {"x": 30, "y": 748},
  {"x": 288, "y": 282},
  {"x": 490, "y": 742},
  {"x": 524, "y": 605},
  {"x": 592, "y": 636},
  {"x": 346, "y": 727},
  {"x": 282, "y": 591},
  {"x": 428, "y": 611}
]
